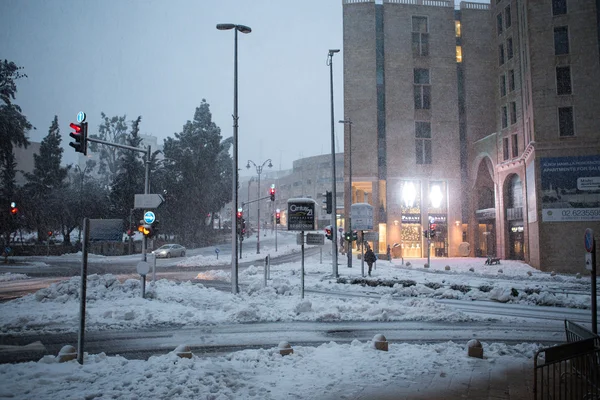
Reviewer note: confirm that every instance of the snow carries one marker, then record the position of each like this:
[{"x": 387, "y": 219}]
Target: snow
[
  {"x": 9, "y": 276},
  {"x": 401, "y": 292}
]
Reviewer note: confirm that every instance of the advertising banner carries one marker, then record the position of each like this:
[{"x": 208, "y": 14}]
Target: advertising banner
[
  {"x": 301, "y": 215},
  {"x": 570, "y": 188}
]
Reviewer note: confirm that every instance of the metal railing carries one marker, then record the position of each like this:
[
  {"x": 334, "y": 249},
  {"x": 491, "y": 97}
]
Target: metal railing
[{"x": 570, "y": 370}]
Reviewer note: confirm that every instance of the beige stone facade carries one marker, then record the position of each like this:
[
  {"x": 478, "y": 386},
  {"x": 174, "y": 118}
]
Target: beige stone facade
[{"x": 513, "y": 116}]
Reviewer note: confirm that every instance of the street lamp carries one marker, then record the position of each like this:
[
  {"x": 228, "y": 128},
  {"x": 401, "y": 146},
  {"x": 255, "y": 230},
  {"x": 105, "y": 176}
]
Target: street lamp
[
  {"x": 348, "y": 215},
  {"x": 333, "y": 176},
  {"x": 234, "y": 261},
  {"x": 259, "y": 169}
]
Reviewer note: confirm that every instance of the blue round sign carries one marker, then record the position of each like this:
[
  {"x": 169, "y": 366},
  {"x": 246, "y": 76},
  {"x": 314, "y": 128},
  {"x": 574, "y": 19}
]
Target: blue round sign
[
  {"x": 80, "y": 116},
  {"x": 589, "y": 240},
  {"x": 149, "y": 217}
]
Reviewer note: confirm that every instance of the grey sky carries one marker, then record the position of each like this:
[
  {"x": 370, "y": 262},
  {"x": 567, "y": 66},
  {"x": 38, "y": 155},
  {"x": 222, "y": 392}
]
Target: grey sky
[{"x": 158, "y": 59}]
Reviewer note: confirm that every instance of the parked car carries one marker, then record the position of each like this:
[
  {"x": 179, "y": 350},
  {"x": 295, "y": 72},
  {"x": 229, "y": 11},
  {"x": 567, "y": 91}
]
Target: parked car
[{"x": 170, "y": 250}]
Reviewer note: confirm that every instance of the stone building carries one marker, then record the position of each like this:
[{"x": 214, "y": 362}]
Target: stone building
[{"x": 481, "y": 120}]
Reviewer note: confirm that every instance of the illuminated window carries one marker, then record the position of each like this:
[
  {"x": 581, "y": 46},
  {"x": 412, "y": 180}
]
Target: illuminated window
[
  {"x": 458, "y": 54},
  {"x": 457, "y": 28}
]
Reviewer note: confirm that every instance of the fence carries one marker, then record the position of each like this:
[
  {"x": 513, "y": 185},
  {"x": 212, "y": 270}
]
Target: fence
[{"x": 570, "y": 370}]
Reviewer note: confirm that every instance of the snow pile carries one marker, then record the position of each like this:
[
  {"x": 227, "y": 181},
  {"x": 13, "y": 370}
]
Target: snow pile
[
  {"x": 9, "y": 276},
  {"x": 329, "y": 371},
  {"x": 115, "y": 305}
]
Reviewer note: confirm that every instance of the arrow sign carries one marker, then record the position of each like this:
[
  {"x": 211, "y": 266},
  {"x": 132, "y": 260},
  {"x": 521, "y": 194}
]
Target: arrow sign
[{"x": 148, "y": 200}]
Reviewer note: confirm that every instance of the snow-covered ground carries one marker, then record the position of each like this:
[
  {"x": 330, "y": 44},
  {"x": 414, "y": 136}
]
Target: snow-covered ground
[{"x": 405, "y": 293}]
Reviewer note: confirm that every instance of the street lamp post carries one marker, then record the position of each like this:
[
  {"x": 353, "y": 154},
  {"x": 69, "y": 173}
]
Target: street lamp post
[
  {"x": 259, "y": 169},
  {"x": 248, "y": 230},
  {"x": 348, "y": 212},
  {"x": 234, "y": 244},
  {"x": 333, "y": 175}
]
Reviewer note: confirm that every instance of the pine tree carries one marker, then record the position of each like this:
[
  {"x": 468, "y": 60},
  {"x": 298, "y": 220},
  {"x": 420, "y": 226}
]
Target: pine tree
[
  {"x": 197, "y": 176},
  {"x": 13, "y": 132},
  {"x": 46, "y": 182}
]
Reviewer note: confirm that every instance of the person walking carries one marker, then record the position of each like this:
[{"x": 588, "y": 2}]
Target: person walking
[
  {"x": 370, "y": 258},
  {"x": 388, "y": 253}
]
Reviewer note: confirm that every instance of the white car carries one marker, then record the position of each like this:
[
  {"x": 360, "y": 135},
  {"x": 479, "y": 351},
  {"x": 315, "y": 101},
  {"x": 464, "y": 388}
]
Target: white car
[{"x": 169, "y": 250}]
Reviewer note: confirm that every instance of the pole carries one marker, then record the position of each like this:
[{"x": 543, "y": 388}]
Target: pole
[
  {"x": 429, "y": 248},
  {"x": 362, "y": 250},
  {"x": 234, "y": 261},
  {"x": 248, "y": 230},
  {"x": 302, "y": 269},
  {"x": 348, "y": 212},
  {"x": 276, "y": 229},
  {"x": 594, "y": 305},
  {"x": 258, "y": 217},
  {"x": 146, "y": 191},
  {"x": 333, "y": 175},
  {"x": 82, "y": 290}
]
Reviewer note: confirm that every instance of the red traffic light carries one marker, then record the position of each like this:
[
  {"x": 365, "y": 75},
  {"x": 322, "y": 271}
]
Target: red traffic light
[
  {"x": 76, "y": 127},
  {"x": 272, "y": 193},
  {"x": 14, "y": 210},
  {"x": 239, "y": 215}
]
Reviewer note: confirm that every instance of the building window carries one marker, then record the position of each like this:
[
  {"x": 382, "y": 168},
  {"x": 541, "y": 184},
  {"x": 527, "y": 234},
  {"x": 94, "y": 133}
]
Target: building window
[
  {"x": 501, "y": 54},
  {"x": 457, "y": 28},
  {"x": 561, "y": 40},
  {"x": 507, "y": 17},
  {"x": 423, "y": 142},
  {"x": 505, "y": 149},
  {"x": 509, "y": 48},
  {"x": 422, "y": 89},
  {"x": 458, "y": 54},
  {"x": 504, "y": 117},
  {"x": 502, "y": 86},
  {"x": 515, "y": 146},
  {"x": 499, "y": 25},
  {"x": 563, "y": 80},
  {"x": 565, "y": 121},
  {"x": 420, "y": 36},
  {"x": 559, "y": 7},
  {"x": 511, "y": 80},
  {"x": 513, "y": 112}
]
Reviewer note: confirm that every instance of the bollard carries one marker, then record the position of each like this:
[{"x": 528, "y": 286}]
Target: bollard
[
  {"x": 67, "y": 353},
  {"x": 265, "y": 271},
  {"x": 285, "y": 348},
  {"x": 474, "y": 348},
  {"x": 183, "y": 351},
  {"x": 380, "y": 342},
  {"x": 447, "y": 268}
]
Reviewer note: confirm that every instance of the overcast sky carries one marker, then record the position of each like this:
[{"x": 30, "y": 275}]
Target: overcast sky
[{"x": 159, "y": 59}]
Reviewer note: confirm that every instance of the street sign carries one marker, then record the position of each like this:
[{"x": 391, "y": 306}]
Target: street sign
[
  {"x": 315, "y": 238},
  {"x": 80, "y": 117},
  {"x": 143, "y": 268},
  {"x": 371, "y": 236},
  {"x": 588, "y": 261},
  {"x": 106, "y": 230},
  {"x": 149, "y": 217},
  {"x": 588, "y": 240},
  {"x": 362, "y": 216},
  {"x": 151, "y": 200}
]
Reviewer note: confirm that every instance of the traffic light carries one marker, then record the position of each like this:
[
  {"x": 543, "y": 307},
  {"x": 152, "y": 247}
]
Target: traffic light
[
  {"x": 146, "y": 230},
  {"x": 13, "y": 208},
  {"x": 328, "y": 232},
  {"x": 50, "y": 233},
  {"x": 432, "y": 228},
  {"x": 348, "y": 236},
  {"x": 277, "y": 217},
  {"x": 239, "y": 221},
  {"x": 80, "y": 136},
  {"x": 272, "y": 192},
  {"x": 328, "y": 202},
  {"x": 243, "y": 226},
  {"x": 354, "y": 236}
]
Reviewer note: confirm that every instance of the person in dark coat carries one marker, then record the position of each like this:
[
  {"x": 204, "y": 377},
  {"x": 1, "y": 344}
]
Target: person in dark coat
[{"x": 370, "y": 258}]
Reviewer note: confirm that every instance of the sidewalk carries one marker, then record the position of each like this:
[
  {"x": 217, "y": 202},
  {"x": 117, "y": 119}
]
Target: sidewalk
[{"x": 485, "y": 380}]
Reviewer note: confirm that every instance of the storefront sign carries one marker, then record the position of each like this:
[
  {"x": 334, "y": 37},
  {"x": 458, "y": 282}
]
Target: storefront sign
[{"x": 488, "y": 213}]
